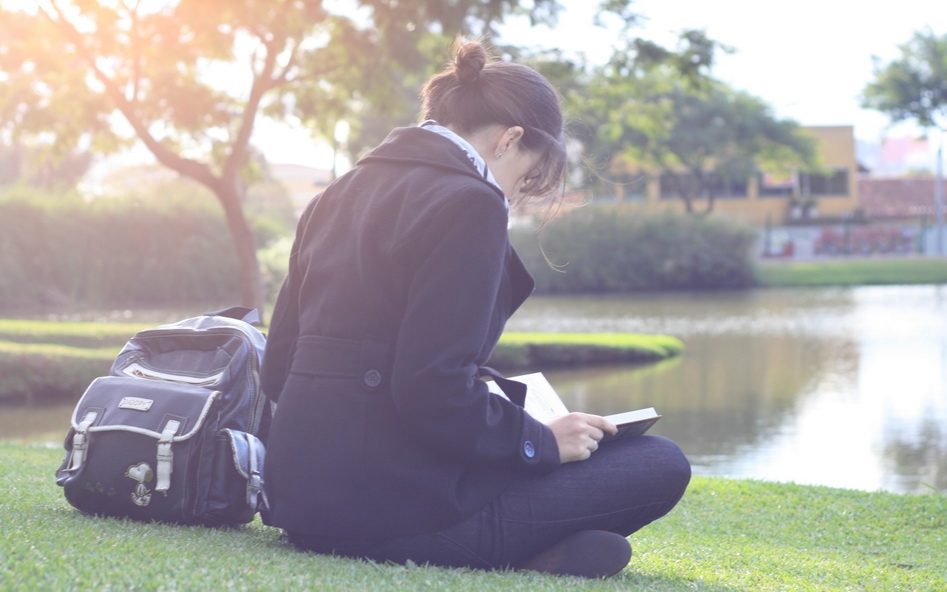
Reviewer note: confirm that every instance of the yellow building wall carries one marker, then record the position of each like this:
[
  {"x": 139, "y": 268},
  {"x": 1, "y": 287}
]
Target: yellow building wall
[{"x": 836, "y": 150}]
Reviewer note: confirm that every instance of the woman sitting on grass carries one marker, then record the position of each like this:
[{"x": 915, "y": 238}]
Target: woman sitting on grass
[{"x": 386, "y": 444}]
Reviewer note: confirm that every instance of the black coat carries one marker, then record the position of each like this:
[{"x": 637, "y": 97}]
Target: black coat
[{"x": 401, "y": 280}]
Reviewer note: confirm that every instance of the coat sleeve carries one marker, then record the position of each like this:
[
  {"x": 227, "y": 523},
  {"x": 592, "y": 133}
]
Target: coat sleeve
[{"x": 458, "y": 267}]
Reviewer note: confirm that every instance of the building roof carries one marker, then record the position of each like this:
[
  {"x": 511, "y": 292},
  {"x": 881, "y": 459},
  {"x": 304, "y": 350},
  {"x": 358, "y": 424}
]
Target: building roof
[{"x": 898, "y": 197}]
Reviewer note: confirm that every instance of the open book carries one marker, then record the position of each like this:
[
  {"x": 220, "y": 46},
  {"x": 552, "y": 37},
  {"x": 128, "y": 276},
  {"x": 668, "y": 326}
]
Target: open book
[{"x": 543, "y": 403}]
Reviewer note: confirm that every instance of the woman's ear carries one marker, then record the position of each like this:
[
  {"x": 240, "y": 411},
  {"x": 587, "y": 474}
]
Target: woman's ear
[
  {"x": 508, "y": 138},
  {"x": 514, "y": 133}
]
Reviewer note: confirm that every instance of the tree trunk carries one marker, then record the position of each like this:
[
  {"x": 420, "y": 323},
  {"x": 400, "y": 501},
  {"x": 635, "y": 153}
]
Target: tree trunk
[
  {"x": 231, "y": 197},
  {"x": 710, "y": 204}
]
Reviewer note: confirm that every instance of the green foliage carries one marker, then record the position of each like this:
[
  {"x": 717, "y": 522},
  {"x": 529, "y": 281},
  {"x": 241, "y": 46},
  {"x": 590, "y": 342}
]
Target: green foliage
[
  {"x": 913, "y": 86},
  {"x": 715, "y": 134},
  {"x": 113, "y": 253},
  {"x": 724, "y": 535},
  {"x": 657, "y": 110},
  {"x": 611, "y": 248},
  {"x": 38, "y": 168},
  {"x": 274, "y": 265}
]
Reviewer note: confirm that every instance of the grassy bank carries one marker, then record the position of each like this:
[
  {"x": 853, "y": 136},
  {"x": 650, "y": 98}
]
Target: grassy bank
[
  {"x": 855, "y": 272},
  {"x": 54, "y": 361},
  {"x": 725, "y": 535},
  {"x": 538, "y": 351}
]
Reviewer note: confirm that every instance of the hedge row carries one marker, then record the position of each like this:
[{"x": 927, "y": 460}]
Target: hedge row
[
  {"x": 164, "y": 250},
  {"x": 130, "y": 256},
  {"x": 610, "y": 248},
  {"x": 62, "y": 251}
]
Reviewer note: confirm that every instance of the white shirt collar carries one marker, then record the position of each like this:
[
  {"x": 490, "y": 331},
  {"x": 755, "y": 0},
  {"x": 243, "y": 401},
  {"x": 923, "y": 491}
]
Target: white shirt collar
[{"x": 475, "y": 158}]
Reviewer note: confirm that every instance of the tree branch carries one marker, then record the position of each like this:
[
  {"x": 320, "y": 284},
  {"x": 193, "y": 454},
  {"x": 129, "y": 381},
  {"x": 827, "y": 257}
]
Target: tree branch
[
  {"x": 190, "y": 168},
  {"x": 262, "y": 82}
]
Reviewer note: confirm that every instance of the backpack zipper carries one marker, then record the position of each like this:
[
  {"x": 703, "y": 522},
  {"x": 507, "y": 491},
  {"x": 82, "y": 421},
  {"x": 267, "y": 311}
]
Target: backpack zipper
[{"x": 137, "y": 370}]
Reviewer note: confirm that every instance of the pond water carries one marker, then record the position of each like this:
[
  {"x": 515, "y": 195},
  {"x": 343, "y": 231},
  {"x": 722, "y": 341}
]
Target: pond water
[
  {"x": 842, "y": 387},
  {"x": 839, "y": 387}
]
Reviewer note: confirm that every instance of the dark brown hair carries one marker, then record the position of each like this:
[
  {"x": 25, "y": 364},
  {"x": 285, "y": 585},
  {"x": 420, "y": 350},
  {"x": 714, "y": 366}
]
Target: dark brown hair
[{"x": 475, "y": 91}]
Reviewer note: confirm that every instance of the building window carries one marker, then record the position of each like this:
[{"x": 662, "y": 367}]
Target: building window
[
  {"x": 714, "y": 185},
  {"x": 674, "y": 185},
  {"x": 832, "y": 183},
  {"x": 776, "y": 185}
]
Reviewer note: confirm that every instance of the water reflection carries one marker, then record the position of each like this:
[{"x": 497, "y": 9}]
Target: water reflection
[
  {"x": 841, "y": 387},
  {"x": 31, "y": 424}
]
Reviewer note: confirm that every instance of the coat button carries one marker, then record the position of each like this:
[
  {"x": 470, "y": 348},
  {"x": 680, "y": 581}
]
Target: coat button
[
  {"x": 528, "y": 449},
  {"x": 372, "y": 378}
]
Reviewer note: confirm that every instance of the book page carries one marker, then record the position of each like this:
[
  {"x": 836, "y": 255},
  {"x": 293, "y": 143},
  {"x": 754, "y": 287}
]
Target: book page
[
  {"x": 633, "y": 423},
  {"x": 542, "y": 401}
]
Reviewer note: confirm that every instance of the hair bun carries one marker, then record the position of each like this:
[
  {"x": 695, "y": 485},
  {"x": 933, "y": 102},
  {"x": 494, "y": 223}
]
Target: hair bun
[{"x": 470, "y": 59}]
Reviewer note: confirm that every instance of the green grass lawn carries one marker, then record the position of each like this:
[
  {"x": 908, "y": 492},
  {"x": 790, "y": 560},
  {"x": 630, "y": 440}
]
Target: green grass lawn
[
  {"x": 853, "y": 272},
  {"x": 725, "y": 535},
  {"x": 78, "y": 334}
]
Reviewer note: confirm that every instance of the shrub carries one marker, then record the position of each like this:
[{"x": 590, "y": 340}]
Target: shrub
[
  {"x": 611, "y": 248},
  {"x": 111, "y": 252}
]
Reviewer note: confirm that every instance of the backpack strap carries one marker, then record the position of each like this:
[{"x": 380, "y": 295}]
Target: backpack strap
[
  {"x": 165, "y": 455},
  {"x": 80, "y": 441},
  {"x": 256, "y": 496}
]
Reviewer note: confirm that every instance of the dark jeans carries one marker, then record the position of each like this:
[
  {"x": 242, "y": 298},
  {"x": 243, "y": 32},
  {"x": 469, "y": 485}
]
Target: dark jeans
[{"x": 625, "y": 485}]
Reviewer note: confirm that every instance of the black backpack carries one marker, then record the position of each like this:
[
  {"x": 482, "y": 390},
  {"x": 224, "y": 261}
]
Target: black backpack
[{"x": 175, "y": 432}]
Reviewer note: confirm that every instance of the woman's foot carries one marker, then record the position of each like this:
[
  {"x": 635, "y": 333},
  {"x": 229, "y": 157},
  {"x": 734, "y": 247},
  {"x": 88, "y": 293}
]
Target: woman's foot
[{"x": 587, "y": 554}]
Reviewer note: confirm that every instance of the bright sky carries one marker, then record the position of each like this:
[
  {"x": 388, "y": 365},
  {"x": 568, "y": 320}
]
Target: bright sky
[{"x": 808, "y": 59}]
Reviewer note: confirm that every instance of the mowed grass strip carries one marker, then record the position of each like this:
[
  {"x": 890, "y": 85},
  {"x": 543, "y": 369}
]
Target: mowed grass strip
[
  {"x": 543, "y": 351},
  {"x": 79, "y": 334},
  {"x": 658, "y": 345},
  {"x": 45, "y": 361},
  {"x": 856, "y": 272}
]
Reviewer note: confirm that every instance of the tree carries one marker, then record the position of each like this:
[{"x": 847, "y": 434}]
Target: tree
[
  {"x": 662, "y": 112},
  {"x": 38, "y": 169},
  {"x": 189, "y": 79},
  {"x": 716, "y": 140},
  {"x": 606, "y": 103},
  {"x": 913, "y": 86}
]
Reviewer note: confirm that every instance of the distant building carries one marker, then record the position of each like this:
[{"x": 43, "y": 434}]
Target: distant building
[
  {"x": 302, "y": 182},
  {"x": 829, "y": 193}
]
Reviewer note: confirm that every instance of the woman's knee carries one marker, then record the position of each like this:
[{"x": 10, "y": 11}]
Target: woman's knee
[
  {"x": 670, "y": 462},
  {"x": 657, "y": 461}
]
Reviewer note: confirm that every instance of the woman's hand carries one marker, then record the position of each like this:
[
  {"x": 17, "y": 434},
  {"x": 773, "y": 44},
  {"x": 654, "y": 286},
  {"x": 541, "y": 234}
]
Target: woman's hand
[{"x": 578, "y": 435}]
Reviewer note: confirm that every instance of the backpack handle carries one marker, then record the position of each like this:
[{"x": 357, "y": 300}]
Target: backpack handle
[{"x": 248, "y": 315}]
